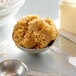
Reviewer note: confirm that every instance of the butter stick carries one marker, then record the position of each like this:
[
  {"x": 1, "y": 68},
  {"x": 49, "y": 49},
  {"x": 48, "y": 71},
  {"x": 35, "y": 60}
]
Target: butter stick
[{"x": 68, "y": 16}]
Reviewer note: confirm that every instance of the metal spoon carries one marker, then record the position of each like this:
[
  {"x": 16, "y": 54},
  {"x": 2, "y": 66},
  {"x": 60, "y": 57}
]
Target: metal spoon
[
  {"x": 13, "y": 68},
  {"x": 36, "y": 51},
  {"x": 17, "y": 68}
]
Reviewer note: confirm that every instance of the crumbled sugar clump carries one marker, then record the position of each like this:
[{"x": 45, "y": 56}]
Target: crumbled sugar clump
[{"x": 34, "y": 32}]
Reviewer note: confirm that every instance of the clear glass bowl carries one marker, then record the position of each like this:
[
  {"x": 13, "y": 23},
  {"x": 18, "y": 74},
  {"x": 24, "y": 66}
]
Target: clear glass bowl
[{"x": 9, "y": 9}]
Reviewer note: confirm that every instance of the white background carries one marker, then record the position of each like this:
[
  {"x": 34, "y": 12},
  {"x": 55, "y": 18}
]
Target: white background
[{"x": 44, "y": 8}]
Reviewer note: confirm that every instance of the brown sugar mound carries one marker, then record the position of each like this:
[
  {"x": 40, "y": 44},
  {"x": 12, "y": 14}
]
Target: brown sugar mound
[{"x": 34, "y": 33}]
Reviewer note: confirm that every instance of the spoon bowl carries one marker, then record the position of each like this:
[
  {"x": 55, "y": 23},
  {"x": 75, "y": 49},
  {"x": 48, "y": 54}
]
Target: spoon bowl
[
  {"x": 33, "y": 51},
  {"x": 13, "y": 68},
  {"x": 36, "y": 51}
]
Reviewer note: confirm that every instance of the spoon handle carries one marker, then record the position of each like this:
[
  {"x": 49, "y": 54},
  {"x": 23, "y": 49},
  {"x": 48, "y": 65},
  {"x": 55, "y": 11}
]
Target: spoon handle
[
  {"x": 60, "y": 52},
  {"x": 33, "y": 73},
  {"x": 71, "y": 60}
]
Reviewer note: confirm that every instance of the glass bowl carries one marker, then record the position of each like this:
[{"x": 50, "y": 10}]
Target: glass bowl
[{"x": 8, "y": 9}]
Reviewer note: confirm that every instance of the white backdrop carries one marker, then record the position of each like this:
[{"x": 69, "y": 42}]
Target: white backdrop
[{"x": 44, "y": 8}]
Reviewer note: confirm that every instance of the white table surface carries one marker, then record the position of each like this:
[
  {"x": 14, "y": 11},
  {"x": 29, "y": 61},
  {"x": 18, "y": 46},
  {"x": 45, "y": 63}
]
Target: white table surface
[{"x": 48, "y": 62}]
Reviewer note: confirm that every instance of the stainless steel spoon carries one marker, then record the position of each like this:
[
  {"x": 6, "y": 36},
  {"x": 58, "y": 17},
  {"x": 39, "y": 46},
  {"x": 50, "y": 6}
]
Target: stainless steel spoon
[
  {"x": 17, "y": 68},
  {"x": 13, "y": 68}
]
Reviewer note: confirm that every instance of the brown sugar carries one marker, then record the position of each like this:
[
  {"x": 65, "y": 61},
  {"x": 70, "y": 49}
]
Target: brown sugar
[{"x": 34, "y": 32}]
